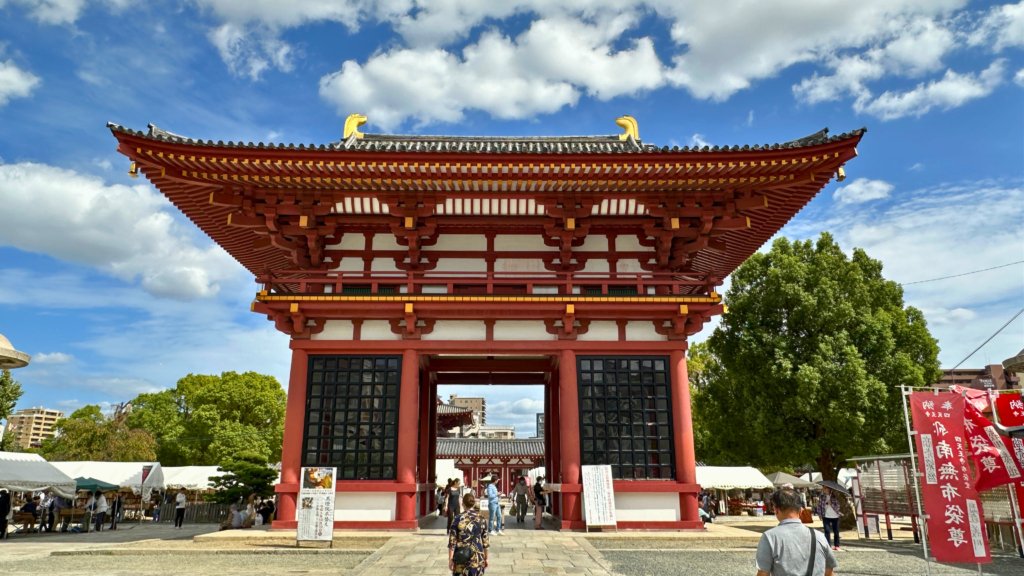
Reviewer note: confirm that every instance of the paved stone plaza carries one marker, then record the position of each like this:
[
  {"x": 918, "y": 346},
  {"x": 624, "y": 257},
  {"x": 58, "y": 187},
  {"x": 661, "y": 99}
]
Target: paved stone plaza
[{"x": 724, "y": 550}]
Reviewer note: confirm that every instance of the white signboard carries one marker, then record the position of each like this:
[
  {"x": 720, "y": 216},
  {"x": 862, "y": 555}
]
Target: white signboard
[
  {"x": 316, "y": 504},
  {"x": 598, "y": 496}
]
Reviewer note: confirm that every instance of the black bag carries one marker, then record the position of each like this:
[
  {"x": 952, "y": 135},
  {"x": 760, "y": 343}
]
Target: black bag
[{"x": 462, "y": 555}]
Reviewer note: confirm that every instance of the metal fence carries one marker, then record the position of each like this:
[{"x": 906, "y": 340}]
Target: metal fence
[{"x": 196, "y": 513}]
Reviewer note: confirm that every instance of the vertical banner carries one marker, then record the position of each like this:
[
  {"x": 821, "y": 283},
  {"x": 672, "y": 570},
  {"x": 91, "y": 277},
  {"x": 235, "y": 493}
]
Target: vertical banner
[
  {"x": 598, "y": 496},
  {"x": 956, "y": 529},
  {"x": 316, "y": 504},
  {"x": 997, "y": 460}
]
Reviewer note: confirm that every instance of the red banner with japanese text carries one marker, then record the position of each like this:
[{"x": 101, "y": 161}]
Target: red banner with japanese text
[
  {"x": 997, "y": 459},
  {"x": 1010, "y": 408},
  {"x": 954, "y": 517}
]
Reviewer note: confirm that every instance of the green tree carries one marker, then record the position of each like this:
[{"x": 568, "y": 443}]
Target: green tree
[
  {"x": 807, "y": 363},
  {"x": 89, "y": 435},
  {"x": 244, "y": 474},
  {"x": 10, "y": 392},
  {"x": 207, "y": 419}
]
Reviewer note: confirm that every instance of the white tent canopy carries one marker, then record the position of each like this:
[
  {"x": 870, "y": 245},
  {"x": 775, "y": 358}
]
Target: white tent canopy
[
  {"x": 729, "y": 477},
  {"x": 190, "y": 477},
  {"x": 845, "y": 476},
  {"x": 23, "y": 472},
  {"x": 124, "y": 474}
]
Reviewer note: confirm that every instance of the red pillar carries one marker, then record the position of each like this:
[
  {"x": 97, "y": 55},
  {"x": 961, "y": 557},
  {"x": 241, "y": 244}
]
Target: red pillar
[
  {"x": 408, "y": 413},
  {"x": 291, "y": 449},
  {"x": 682, "y": 436},
  {"x": 555, "y": 471},
  {"x": 569, "y": 441},
  {"x": 432, "y": 445}
]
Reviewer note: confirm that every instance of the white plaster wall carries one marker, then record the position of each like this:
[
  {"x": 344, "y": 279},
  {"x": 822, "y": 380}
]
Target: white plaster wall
[
  {"x": 364, "y": 506},
  {"x": 460, "y": 265},
  {"x": 335, "y": 330},
  {"x": 386, "y": 242},
  {"x": 532, "y": 330},
  {"x": 642, "y": 331},
  {"x": 597, "y": 266},
  {"x": 383, "y": 265},
  {"x": 377, "y": 330},
  {"x": 457, "y": 330},
  {"x": 629, "y": 266},
  {"x": 647, "y": 506},
  {"x": 519, "y": 242},
  {"x": 629, "y": 243},
  {"x": 350, "y": 242},
  {"x": 593, "y": 243},
  {"x": 350, "y": 265},
  {"x": 601, "y": 330},
  {"x": 459, "y": 242},
  {"x": 519, "y": 265}
]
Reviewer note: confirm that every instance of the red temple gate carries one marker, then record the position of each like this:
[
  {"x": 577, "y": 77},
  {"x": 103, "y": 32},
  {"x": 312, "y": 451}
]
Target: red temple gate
[{"x": 398, "y": 263}]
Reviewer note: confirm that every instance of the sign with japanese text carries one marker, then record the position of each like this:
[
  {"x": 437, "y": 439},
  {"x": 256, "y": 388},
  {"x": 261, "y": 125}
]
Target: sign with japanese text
[
  {"x": 1010, "y": 408},
  {"x": 598, "y": 496},
  {"x": 315, "y": 512},
  {"x": 954, "y": 517},
  {"x": 997, "y": 460}
]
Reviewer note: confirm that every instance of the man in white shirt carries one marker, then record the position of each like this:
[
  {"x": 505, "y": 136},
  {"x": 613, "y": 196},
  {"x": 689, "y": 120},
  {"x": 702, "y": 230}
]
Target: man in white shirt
[
  {"x": 101, "y": 508},
  {"x": 180, "y": 501}
]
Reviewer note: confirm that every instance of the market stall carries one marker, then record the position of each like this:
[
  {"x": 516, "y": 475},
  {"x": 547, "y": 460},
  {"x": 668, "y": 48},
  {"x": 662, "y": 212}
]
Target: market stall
[{"x": 740, "y": 488}]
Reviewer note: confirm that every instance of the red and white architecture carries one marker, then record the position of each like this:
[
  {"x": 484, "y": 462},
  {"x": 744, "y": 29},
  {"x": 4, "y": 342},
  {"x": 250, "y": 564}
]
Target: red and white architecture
[{"x": 401, "y": 263}]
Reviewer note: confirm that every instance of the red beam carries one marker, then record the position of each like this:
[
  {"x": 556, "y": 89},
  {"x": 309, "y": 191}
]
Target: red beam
[
  {"x": 489, "y": 365},
  {"x": 498, "y": 378}
]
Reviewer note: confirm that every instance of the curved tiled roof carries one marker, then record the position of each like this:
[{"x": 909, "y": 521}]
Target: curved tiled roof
[
  {"x": 451, "y": 409},
  {"x": 517, "y": 448},
  {"x": 611, "y": 144}
]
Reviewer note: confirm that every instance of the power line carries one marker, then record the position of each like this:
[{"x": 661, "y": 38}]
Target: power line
[
  {"x": 963, "y": 274},
  {"x": 1019, "y": 312}
]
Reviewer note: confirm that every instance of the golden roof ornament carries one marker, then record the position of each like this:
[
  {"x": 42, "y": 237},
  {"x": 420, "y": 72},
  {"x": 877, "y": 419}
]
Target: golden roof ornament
[
  {"x": 631, "y": 127},
  {"x": 352, "y": 124}
]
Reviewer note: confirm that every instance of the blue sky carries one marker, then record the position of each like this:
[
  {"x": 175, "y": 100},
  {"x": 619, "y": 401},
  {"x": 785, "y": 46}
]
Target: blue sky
[{"x": 114, "y": 292}]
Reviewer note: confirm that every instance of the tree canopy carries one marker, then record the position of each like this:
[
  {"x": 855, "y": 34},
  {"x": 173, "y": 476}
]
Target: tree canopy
[
  {"x": 207, "y": 419},
  {"x": 89, "y": 435},
  {"x": 10, "y": 392},
  {"x": 244, "y": 474},
  {"x": 805, "y": 367}
]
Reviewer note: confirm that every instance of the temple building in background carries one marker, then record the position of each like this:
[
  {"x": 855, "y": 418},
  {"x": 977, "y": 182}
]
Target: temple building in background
[
  {"x": 33, "y": 425},
  {"x": 400, "y": 263}
]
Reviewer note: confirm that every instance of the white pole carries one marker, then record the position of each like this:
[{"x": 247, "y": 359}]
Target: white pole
[{"x": 905, "y": 393}]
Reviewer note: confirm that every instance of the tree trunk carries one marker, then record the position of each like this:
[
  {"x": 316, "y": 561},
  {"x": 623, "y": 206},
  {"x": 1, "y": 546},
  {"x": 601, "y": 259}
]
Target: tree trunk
[{"x": 827, "y": 466}]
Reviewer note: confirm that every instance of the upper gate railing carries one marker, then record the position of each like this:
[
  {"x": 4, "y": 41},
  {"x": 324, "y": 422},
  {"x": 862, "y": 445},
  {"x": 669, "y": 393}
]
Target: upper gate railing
[{"x": 293, "y": 282}]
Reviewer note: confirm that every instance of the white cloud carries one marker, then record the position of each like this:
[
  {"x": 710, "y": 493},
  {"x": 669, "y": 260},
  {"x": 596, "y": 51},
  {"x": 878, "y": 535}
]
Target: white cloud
[
  {"x": 952, "y": 90},
  {"x": 863, "y": 190},
  {"x": 125, "y": 231},
  {"x": 698, "y": 140},
  {"x": 251, "y": 52},
  {"x": 52, "y": 358},
  {"x": 940, "y": 231},
  {"x": 916, "y": 167},
  {"x": 62, "y": 12},
  {"x": 750, "y": 118},
  {"x": 1002, "y": 27},
  {"x": 15, "y": 82},
  {"x": 1018, "y": 78}
]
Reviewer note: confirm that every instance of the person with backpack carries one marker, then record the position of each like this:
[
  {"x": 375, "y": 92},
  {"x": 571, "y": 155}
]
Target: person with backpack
[
  {"x": 791, "y": 549},
  {"x": 467, "y": 540}
]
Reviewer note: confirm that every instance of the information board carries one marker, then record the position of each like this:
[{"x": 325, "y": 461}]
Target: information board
[
  {"x": 598, "y": 496},
  {"x": 316, "y": 504}
]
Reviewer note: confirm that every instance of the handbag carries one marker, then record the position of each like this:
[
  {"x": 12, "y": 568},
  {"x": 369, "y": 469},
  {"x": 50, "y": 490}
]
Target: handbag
[{"x": 513, "y": 511}]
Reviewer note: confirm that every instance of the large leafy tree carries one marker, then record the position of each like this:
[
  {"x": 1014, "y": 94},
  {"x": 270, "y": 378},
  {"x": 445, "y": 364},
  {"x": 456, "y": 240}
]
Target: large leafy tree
[
  {"x": 89, "y": 435},
  {"x": 245, "y": 473},
  {"x": 10, "y": 392},
  {"x": 807, "y": 363},
  {"x": 206, "y": 419}
]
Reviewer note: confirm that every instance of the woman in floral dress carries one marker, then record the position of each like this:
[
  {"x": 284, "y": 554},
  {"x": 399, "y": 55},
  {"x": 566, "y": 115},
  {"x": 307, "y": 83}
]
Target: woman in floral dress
[{"x": 468, "y": 530}]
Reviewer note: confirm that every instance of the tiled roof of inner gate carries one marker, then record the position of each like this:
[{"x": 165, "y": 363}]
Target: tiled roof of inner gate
[{"x": 519, "y": 447}]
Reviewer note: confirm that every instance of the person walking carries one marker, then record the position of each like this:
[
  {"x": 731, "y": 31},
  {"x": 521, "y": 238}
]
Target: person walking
[
  {"x": 116, "y": 509},
  {"x": 5, "y": 511},
  {"x": 180, "y": 501},
  {"x": 829, "y": 510},
  {"x": 790, "y": 549},
  {"x": 100, "y": 510},
  {"x": 521, "y": 495},
  {"x": 493, "y": 504},
  {"x": 454, "y": 495},
  {"x": 540, "y": 501},
  {"x": 467, "y": 541},
  {"x": 442, "y": 497}
]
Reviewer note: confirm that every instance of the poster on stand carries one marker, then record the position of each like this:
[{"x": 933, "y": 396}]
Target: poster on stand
[
  {"x": 955, "y": 519},
  {"x": 598, "y": 496},
  {"x": 316, "y": 504}
]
